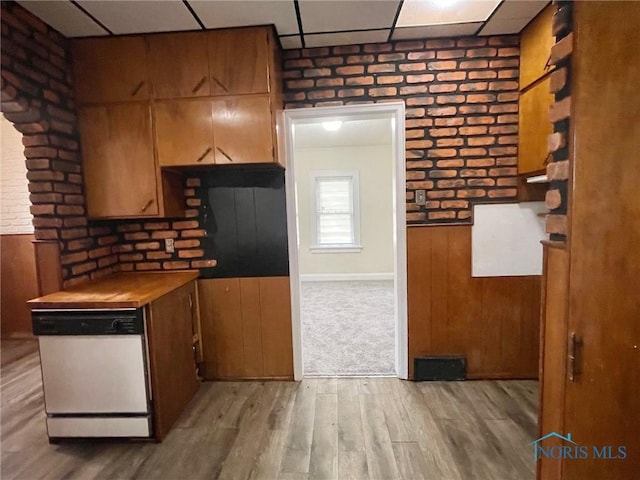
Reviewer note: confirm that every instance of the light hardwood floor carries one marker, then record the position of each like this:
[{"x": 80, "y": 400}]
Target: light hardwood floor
[{"x": 363, "y": 428}]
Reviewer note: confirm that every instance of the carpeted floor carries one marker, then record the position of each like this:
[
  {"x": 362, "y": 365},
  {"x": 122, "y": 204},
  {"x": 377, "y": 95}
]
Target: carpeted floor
[{"x": 348, "y": 328}]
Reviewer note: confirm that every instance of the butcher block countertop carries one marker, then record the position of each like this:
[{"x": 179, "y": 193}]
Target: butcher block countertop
[{"x": 120, "y": 290}]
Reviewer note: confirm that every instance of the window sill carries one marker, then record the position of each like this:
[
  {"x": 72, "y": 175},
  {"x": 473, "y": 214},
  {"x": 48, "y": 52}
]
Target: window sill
[{"x": 336, "y": 249}]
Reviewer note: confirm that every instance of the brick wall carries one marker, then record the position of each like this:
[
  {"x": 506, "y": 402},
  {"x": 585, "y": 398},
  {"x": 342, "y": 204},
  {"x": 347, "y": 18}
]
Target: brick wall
[
  {"x": 558, "y": 170},
  {"x": 15, "y": 216},
  {"x": 37, "y": 97},
  {"x": 461, "y": 99}
]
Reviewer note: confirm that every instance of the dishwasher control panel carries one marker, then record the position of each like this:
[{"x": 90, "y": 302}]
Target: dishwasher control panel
[{"x": 88, "y": 322}]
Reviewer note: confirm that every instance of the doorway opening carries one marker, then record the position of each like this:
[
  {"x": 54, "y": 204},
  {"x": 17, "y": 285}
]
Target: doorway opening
[{"x": 345, "y": 182}]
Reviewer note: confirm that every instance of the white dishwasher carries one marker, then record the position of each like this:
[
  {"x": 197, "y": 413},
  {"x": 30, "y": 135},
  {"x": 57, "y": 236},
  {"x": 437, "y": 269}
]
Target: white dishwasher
[{"x": 94, "y": 372}]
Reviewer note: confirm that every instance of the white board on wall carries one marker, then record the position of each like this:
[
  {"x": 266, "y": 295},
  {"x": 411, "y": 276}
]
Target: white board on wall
[{"x": 505, "y": 239}]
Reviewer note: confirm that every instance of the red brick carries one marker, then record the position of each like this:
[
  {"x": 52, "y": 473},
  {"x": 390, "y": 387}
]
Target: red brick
[
  {"x": 83, "y": 268},
  {"x": 421, "y": 55},
  {"x": 486, "y": 120},
  {"x": 415, "y": 175},
  {"x": 558, "y": 170},
  {"x": 442, "y": 153},
  {"x": 187, "y": 243},
  {"x": 482, "y": 74},
  {"x": 349, "y": 49},
  {"x": 191, "y": 253},
  {"x": 556, "y": 224},
  {"x": 329, "y": 82},
  {"x": 73, "y": 258},
  {"x": 295, "y": 84},
  {"x": 479, "y": 141},
  {"x": 449, "y": 142},
  {"x": 449, "y": 122},
  {"x": 444, "y": 215},
  {"x": 412, "y": 67},
  {"x": 451, "y": 76},
  {"x": 440, "y": 43},
  {"x": 507, "y": 118},
  {"x": 419, "y": 144},
  {"x": 505, "y": 108},
  {"x": 503, "y": 85},
  {"x": 560, "y": 110},
  {"x": 351, "y": 92},
  {"x": 481, "y": 182},
  {"x": 322, "y": 94},
  {"x": 444, "y": 99},
  {"x": 419, "y": 164},
  {"x": 445, "y": 54},
  {"x": 473, "y": 87},
  {"x": 383, "y": 92},
  {"x": 409, "y": 45},
  {"x": 193, "y": 233},
  {"x": 561, "y": 50},
  {"x": 423, "y": 78},
  {"x": 474, "y": 64},
  {"x": 450, "y": 163},
  {"x": 351, "y": 70},
  {"x": 473, "y": 152},
  {"x": 441, "y": 193},
  {"x": 419, "y": 101},
  {"x": 390, "y": 57},
  {"x": 414, "y": 112},
  {"x": 505, "y": 74},
  {"x": 558, "y": 80},
  {"x": 144, "y": 266},
  {"x": 553, "y": 199},
  {"x": 481, "y": 98},
  {"x": 472, "y": 42},
  {"x": 100, "y": 252},
  {"x": 503, "y": 172},
  {"x": 175, "y": 265},
  {"x": 158, "y": 255},
  {"x": 360, "y": 59},
  {"x": 443, "y": 174},
  {"x": 193, "y": 202},
  {"x": 441, "y": 111},
  {"x": 164, "y": 234},
  {"x": 378, "y": 47},
  {"x": 503, "y": 151},
  {"x": 483, "y": 162},
  {"x": 442, "y": 65},
  {"x": 508, "y": 140},
  {"x": 426, "y": 184},
  {"x": 389, "y": 79},
  {"x": 147, "y": 246},
  {"x": 382, "y": 68},
  {"x": 193, "y": 182},
  {"x": 472, "y": 109},
  {"x": 507, "y": 182},
  {"x": 472, "y": 193},
  {"x": 416, "y": 216},
  {"x": 203, "y": 263},
  {"x": 455, "y": 204},
  {"x": 473, "y": 130},
  {"x": 503, "y": 193}
]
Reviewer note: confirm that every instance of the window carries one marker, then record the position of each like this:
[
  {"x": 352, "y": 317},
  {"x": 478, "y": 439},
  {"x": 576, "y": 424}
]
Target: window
[{"x": 335, "y": 215}]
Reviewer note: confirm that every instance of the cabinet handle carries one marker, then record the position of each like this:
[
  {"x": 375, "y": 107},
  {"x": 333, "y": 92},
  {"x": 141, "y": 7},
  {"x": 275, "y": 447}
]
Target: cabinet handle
[
  {"x": 206, "y": 152},
  {"x": 199, "y": 85},
  {"x": 224, "y": 153},
  {"x": 146, "y": 205},
  {"x": 219, "y": 84},
  {"x": 137, "y": 89},
  {"x": 572, "y": 356}
]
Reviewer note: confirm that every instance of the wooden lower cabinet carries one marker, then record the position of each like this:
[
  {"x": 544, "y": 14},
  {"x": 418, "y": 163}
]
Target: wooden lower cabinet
[
  {"x": 171, "y": 356},
  {"x": 246, "y": 328}
]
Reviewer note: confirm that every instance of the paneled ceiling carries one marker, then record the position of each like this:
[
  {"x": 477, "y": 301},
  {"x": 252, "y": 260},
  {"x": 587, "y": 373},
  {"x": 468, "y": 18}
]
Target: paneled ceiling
[{"x": 300, "y": 23}]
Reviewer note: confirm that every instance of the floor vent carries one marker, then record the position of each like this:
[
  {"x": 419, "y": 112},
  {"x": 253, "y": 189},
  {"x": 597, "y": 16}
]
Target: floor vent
[{"x": 439, "y": 368}]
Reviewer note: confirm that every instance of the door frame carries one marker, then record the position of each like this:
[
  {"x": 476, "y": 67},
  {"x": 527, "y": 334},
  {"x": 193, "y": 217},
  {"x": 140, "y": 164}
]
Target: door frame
[{"x": 395, "y": 112}]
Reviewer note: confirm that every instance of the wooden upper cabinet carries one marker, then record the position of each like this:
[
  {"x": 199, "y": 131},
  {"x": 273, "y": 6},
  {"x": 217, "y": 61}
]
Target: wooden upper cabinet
[
  {"x": 110, "y": 69},
  {"x": 239, "y": 60},
  {"x": 536, "y": 41},
  {"x": 184, "y": 132},
  {"x": 534, "y": 127},
  {"x": 179, "y": 64},
  {"x": 119, "y": 167},
  {"x": 243, "y": 130}
]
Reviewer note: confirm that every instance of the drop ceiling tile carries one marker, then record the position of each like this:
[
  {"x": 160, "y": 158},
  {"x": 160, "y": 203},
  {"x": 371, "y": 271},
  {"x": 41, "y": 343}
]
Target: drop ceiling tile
[
  {"x": 520, "y": 8},
  {"x": 64, "y": 17},
  {"x": 293, "y": 41},
  {"x": 123, "y": 17},
  {"x": 220, "y": 14},
  {"x": 435, "y": 31},
  {"x": 504, "y": 26},
  {"x": 436, "y": 12},
  {"x": 345, "y": 38},
  {"x": 346, "y": 15}
]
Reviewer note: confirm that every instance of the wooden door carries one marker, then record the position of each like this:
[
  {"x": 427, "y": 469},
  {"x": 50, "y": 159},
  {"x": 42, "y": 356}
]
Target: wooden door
[
  {"x": 173, "y": 370},
  {"x": 119, "y": 167},
  {"x": 534, "y": 127},
  {"x": 184, "y": 132},
  {"x": 110, "y": 69},
  {"x": 242, "y": 130},
  {"x": 238, "y": 61},
  {"x": 179, "y": 65},
  {"x": 603, "y": 404}
]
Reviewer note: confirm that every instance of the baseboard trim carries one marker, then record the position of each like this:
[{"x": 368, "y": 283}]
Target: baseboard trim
[{"x": 344, "y": 277}]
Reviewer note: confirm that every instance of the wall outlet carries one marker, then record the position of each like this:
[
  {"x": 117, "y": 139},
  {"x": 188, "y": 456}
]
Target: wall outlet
[
  {"x": 420, "y": 197},
  {"x": 169, "y": 246}
]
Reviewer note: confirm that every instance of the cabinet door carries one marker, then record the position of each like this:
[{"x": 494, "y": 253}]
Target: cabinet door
[
  {"x": 119, "y": 168},
  {"x": 242, "y": 129},
  {"x": 534, "y": 127},
  {"x": 173, "y": 369},
  {"x": 277, "y": 343},
  {"x": 184, "y": 132},
  {"x": 179, "y": 65},
  {"x": 221, "y": 322},
  {"x": 238, "y": 61},
  {"x": 110, "y": 69},
  {"x": 535, "y": 47}
]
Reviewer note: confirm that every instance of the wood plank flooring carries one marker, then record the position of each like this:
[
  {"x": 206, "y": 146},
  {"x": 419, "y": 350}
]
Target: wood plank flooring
[{"x": 359, "y": 428}]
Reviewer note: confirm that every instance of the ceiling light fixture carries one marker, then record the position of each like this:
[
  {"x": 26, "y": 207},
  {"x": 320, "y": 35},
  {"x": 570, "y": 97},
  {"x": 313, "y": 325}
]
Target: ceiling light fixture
[{"x": 332, "y": 126}]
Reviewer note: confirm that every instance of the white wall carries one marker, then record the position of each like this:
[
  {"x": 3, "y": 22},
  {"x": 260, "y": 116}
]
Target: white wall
[
  {"x": 15, "y": 216},
  {"x": 375, "y": 166}
]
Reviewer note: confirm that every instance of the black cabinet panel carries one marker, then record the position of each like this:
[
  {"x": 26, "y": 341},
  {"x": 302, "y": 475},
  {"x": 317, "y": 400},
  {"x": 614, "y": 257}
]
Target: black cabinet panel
[{"x": 246, "y": 223}]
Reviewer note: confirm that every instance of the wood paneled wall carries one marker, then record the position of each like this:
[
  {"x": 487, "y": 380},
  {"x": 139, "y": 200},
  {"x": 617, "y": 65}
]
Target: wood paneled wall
[
  {"x": 18, "y": 283},
  {"x": 493, "y": 321}
]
